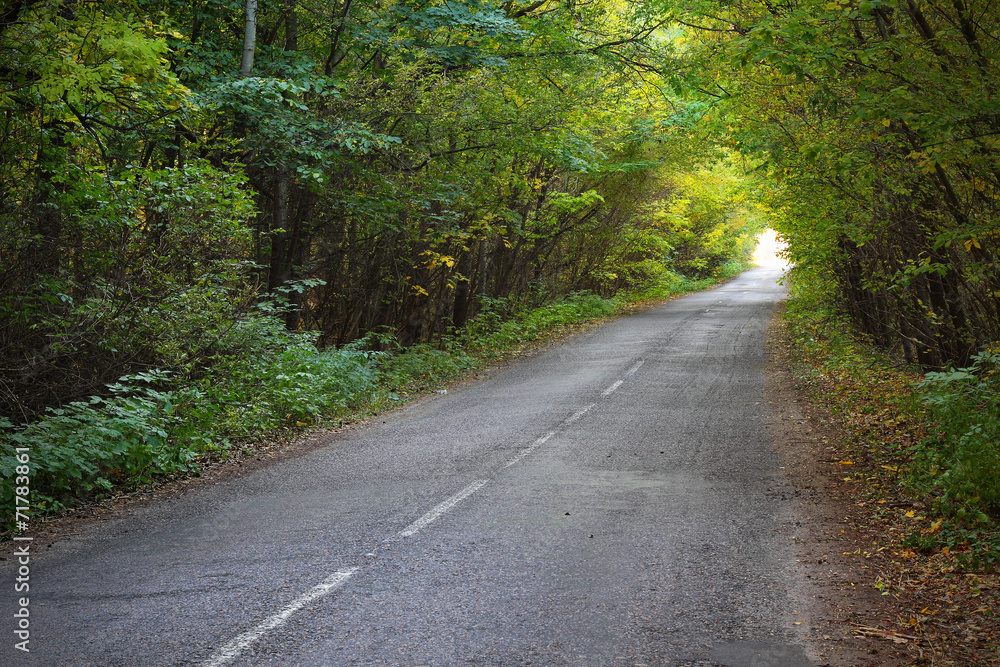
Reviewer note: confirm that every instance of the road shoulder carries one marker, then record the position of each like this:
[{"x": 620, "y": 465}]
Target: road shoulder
[{"x": 834, "y": 582}]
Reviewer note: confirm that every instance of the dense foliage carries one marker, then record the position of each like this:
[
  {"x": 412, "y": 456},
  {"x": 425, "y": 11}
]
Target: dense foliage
[
  {"x": 875, "y": 125},
  {"x": 222, "y": 217},
  {"x": 927, "y": 437}
]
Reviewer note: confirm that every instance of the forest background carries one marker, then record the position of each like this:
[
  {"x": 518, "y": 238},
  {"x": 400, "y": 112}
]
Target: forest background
[{"x": 220, "y": 218}]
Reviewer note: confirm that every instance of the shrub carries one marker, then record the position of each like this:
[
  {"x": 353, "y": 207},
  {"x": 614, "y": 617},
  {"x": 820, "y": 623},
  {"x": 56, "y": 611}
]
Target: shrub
[
  {"x": 529, "y": 325},
  {"x": 259, "y": 378},
  {"x": 959, "y": 464},
  {"x": 92, "y": 445}
]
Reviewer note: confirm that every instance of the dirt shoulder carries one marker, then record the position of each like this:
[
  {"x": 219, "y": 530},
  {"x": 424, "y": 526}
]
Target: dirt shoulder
[{"x": 838, "y": 559}]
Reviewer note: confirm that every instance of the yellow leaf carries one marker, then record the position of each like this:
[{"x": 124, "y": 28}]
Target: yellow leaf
[
  {"x": 910, "y": 514},
  {"x": 847, "y": 463}
]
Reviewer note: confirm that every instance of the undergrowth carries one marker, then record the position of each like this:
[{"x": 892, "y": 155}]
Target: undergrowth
[
  {"x": 933, "y": 437},
  {"x": 668, "y": 283}
]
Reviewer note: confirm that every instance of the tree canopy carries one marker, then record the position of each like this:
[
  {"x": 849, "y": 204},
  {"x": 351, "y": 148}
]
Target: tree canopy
[
  {"x": 873, "y": 127},
  {"x": 166, "y": 168}
]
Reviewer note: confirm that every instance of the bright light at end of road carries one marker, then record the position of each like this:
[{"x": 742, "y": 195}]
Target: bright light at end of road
[{"x": 768, "y": 247}]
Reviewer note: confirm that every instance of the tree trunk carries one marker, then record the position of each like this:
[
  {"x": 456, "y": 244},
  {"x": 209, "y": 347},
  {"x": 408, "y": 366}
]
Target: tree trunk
[
  {"x": 249, "y": 38},
  {"x": 43, "y": 253},
  {"x": 291, "y": 26},
  {"x": 279, "y": 223},
  {"x": 461, "y": 309}
]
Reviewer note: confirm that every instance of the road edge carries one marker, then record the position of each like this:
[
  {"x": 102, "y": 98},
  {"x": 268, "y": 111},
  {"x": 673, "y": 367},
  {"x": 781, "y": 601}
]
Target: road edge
[{"x": 834, "y": 586}]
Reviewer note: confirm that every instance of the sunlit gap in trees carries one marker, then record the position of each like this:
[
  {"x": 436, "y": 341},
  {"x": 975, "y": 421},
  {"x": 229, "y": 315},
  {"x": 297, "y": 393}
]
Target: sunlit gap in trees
[{"x": 769, "y": 250}]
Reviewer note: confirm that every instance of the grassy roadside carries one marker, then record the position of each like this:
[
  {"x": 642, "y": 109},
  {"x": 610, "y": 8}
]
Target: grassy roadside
[
  {"x": 261, "y": 385},
  {"x": 923, "y": 464}
]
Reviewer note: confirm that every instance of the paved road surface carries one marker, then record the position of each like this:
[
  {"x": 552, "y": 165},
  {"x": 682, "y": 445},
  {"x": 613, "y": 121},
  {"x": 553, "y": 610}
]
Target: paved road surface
[{"x": 604, "y": 503}]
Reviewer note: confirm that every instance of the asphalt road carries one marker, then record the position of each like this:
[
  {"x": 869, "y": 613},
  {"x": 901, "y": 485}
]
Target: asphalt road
[{"x": 603, "y": 503}]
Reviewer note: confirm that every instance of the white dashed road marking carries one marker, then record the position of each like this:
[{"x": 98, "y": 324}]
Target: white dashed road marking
[
  {"x": 610, "y": 390},
  {"x": 527, "y": 450},
  {"x": 440, "y": 509},
  {"x": 630, "y": 372},
  {"x": 231, "y": 650},
  {"x": 579, "y": 413}
]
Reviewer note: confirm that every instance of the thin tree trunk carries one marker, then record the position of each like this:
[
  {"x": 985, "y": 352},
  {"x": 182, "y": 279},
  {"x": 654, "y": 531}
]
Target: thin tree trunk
[
  {"x": 43, "y": 254},
  {"x": 291, "y": 26},
  {"x": 249, "y": 38},
  {"x": 279, "y": 228},
  {"x": 483, "y": 267},
  {"x": 285, "y": 234},
  {"x": 461, "y": 309}
]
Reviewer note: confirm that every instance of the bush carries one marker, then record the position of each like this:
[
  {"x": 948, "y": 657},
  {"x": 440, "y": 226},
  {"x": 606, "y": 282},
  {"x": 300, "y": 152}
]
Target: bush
[
  {"x": 263, "y": 376},
  {"x": 260, "y": 377},
  {"x": 959, "y": 464},
  {"x": 91, "y": 445},
  {"x": 485, "y": 334},
  {"x": 424, "y": 366}
]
